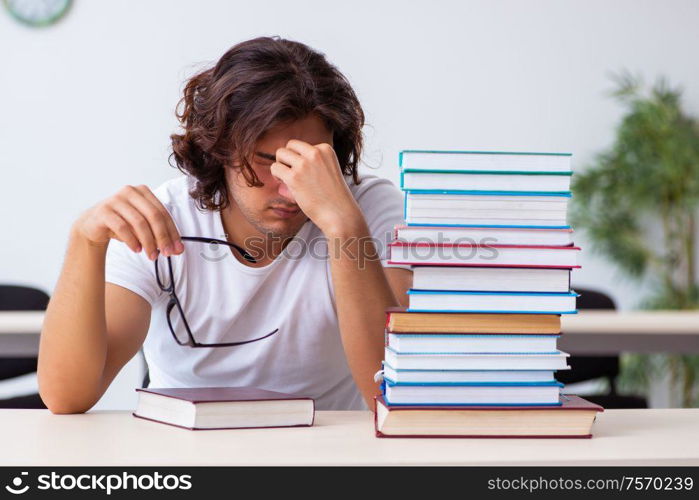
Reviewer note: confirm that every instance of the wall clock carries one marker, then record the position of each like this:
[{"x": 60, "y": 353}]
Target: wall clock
[{"x": 37, "y": 13}]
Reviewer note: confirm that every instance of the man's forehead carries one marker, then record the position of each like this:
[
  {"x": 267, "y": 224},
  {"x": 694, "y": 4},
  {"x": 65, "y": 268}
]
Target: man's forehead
[{"x": 310, "y": 129}]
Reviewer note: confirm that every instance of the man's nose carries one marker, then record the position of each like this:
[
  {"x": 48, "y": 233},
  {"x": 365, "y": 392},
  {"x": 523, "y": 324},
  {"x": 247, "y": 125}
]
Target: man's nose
[{"x": 284, "y": 191}]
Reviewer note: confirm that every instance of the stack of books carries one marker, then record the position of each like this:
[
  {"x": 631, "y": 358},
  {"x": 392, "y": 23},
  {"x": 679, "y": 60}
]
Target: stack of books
[{"x": 475, "y": 352}]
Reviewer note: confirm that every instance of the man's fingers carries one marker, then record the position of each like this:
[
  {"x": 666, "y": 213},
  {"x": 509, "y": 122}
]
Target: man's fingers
[
  {"x": 327, "y": 151},
  {"x": 121, "y": 230},
  {"x": 171, "y": 227},
  {"x": 301, "y": 147},
  {"x": 281, "y": 172},
  {"x": 320, "y": 153},
  {"x": 139, "y": 225},
  {"x": 289, "y": 157},
  {"x": 160, "y": 222}
]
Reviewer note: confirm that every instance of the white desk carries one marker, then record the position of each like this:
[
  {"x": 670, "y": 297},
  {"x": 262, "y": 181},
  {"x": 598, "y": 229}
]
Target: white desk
[
  {"x": 612, "y": 332},
  {"x": 588, "y": 332},
  {"x": 19, "y": 333},
  {"x": 621, "y": 437}
]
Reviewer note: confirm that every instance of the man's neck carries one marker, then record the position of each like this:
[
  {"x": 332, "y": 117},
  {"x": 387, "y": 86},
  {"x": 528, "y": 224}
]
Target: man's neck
[{"x": 262, "y": 247}]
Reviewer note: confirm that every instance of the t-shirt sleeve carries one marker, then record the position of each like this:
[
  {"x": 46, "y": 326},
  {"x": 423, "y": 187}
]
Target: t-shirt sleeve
[
  {"x": 133, "y": 271},
  {"x": 382, "y": 205}
]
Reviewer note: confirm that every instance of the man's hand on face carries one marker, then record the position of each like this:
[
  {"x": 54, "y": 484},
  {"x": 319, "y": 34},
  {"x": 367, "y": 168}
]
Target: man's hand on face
[{"x": 313, "y": 176}]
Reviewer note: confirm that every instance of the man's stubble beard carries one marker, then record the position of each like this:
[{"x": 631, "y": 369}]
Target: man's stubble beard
[{"x": 267, "y": 231}]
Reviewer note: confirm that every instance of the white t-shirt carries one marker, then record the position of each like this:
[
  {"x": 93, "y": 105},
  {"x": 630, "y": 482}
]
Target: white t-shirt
[{"x": 226, "y": 301}]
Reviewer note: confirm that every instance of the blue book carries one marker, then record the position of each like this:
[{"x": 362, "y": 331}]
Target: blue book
[
  {"x": 446, "y": 377},
  {"x": 545, "y": 393}
]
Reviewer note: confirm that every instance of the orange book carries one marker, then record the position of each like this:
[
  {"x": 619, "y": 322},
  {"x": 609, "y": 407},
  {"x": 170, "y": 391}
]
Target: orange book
[{"x": 399, "y": 320}]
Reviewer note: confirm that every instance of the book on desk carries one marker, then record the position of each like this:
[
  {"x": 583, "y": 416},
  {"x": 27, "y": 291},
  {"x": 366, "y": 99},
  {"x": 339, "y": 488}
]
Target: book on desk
[
  {"x": 573, "y": 418},
  {"x": 215, "y": 408}
]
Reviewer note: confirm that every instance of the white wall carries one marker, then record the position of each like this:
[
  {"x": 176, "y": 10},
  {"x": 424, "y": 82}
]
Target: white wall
[{"x": 87, "y": 105}]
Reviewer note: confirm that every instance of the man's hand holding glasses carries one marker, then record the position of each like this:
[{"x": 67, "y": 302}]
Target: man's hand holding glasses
[{"x": 136, "y": 217}]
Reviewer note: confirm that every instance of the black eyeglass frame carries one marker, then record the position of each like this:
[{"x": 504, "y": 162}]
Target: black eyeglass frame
[{"x": 174, "y": 301}]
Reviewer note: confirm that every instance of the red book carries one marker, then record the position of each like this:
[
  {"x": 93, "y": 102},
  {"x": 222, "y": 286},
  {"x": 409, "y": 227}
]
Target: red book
[
  {"x": 483, "y": 255},
  {"x": 572, "y": 419},
  {"x": 200, "y": 408},
  {"x": 469, "y": 234}
]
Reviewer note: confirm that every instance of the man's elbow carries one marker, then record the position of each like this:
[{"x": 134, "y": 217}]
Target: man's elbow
[
  {"x": 63, "y": 406},
  {"x": 64, "y": 402}
]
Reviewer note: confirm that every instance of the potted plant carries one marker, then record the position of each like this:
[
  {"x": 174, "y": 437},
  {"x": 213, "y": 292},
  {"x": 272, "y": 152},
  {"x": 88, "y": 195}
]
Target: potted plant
[{"x": 648, "y": 178}]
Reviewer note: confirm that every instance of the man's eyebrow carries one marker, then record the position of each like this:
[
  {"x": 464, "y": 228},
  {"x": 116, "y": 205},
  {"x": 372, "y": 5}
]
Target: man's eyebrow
[{"x": 266, "y": 156}]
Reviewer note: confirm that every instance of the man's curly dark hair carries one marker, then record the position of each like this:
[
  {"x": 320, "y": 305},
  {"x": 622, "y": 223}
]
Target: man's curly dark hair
[{"x": 256, "y": 85}]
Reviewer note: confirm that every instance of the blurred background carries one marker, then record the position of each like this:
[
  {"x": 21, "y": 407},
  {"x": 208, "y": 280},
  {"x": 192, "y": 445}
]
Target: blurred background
[{"x": 88, "y": 105}]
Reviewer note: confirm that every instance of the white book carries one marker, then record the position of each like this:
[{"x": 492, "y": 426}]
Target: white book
[
  {"x": 556, "y": 361},
  {"x": 485, "y": 160},
  {"x": 467, "y": 394},
  {"x": 456, "y": 344},
  {"x": 553, "y": 221},
  {"x": 483, "y": 235},
  {"x": 491, "y": 302},
  {"x": 484, "y": 254},
  {"x": 493, "y": 203},
  {"x": 486, "y": 210},
  {"x": 466, "y": 376},
  {"x": 458, "y": 181},
  {"x": 494, "y": 279}
]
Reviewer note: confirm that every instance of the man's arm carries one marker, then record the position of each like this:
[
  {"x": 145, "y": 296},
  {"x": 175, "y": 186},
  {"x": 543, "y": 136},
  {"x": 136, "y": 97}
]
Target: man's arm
[
  {"x": 90, "y": 332},
  {"x": 91, "y": 328},
  {"x": 363, "y": 292}
]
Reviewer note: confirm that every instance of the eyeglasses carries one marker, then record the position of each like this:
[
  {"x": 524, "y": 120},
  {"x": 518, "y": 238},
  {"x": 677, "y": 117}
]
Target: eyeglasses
[{"x": 175, "y": 305}]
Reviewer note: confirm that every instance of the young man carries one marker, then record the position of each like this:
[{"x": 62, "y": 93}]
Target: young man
[{"x": 293, "y": 297}]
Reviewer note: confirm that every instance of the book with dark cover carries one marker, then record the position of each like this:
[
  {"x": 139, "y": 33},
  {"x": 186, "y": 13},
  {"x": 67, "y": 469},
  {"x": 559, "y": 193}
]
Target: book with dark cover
[{"x": 199, "y": 408}]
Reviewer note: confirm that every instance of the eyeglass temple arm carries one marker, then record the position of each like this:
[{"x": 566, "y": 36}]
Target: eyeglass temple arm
[
  {"x": 240, "y": 250},
  {"x": 231, "y": 344}
]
